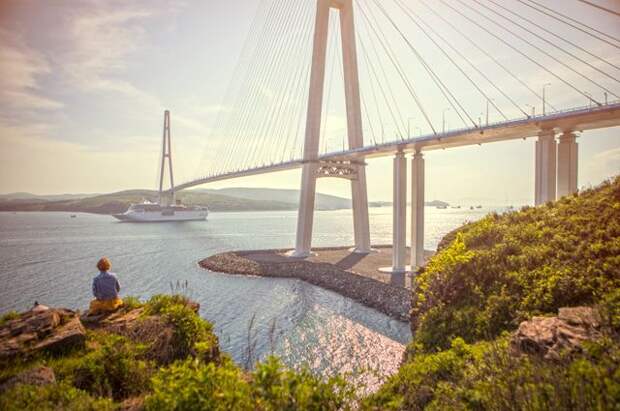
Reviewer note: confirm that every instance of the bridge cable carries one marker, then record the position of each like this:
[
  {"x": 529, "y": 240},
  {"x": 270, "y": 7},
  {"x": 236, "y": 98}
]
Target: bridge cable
[
  {"x": 262, "y": 8},
  {"x": 254, "y": 108},
  {"x": 250, "y": 85},
  {"x": 519, "y": 51},
  {"x": 550, "y": 43},
  {"x": 302, "y": 90},
  {"x": 299, "y": 91},
  {"x": 253, "y": 139},
  {"x": 385, "y": 45},
  {"x": 415, "y": 20},
  {"x": 551, "y": 13},
  {"x": 381, "y": 38},
  {"x": 485, "y": 52},
  {"x": 429, "y": 70},
  {"x": 393, "y": 106},
  {"x": 557, "y": 36},
  {"x": 372, "y": 89},
  {"x": 589, "y": 3},
  {"x": 286, "y": 80}
]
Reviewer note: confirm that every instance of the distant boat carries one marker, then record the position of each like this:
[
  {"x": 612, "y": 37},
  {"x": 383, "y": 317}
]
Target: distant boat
[
  {"x": 471, "y": 207},
  {"x": 458, "y": 206},
  {"x": 478, "y": 206},
  {"x": 442, "y": 207},
  {"x": 73, "y": 216},
  {"x": 153, "y": 212}
]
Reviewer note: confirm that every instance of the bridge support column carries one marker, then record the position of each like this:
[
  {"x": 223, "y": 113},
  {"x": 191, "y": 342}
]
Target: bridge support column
[
  {"x": 417, "y": 210},
  {"x": 567, "y": 164},
  {"x": 313, "y": 127},
  {"x": 545, "y": 168},
  {"x": 399, "y": 214}
]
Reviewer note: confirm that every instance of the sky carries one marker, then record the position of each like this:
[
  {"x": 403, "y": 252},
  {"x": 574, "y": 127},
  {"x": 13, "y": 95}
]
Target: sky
[{"x": 83, "y": 87}]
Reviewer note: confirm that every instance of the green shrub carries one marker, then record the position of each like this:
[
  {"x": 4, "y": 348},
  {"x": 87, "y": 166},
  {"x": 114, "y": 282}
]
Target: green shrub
[
  {"x": 277, "y": 388},
  {"x": 485, "y": 376},
  {"x": 8, "y": 316},
  {"x": 131, "y": 303},
  {"x": 60, "y": 396},
  {"x": 193, "y": 335},
  {"x": 193, "y": 385},
  {"x": 503, "y": 269},
  {"x": 112, "y": 367}
]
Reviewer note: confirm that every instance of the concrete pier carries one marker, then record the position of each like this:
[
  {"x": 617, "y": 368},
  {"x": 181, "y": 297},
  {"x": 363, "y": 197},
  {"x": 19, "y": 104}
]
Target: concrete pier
[
  {"x": 545, "y": 167},
  {"x": 567, "y": 164}
]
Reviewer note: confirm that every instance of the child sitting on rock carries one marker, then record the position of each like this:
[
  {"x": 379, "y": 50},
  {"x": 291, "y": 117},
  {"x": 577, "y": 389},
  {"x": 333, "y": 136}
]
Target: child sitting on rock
[{"x": 105, "y": 289}]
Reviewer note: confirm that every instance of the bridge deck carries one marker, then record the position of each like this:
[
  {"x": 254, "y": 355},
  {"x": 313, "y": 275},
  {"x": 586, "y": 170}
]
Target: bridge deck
[{"x": 577, "y": 119}]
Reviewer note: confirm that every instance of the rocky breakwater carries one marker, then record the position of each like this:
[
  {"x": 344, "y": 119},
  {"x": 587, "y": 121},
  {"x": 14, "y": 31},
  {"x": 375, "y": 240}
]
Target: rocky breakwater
[{"x": 392, "y": 300}]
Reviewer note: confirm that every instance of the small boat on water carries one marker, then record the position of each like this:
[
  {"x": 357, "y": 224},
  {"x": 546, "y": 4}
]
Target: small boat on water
[
  {"x": 154, "y": 212},
  {"x": 478, "y": 206},
  {"x": 442, "y": 207},
  {"x": 73, "y": 216}
]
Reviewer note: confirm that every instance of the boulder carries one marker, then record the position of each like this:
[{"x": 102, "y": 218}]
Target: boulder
[
  {"x": 550, "y": 336},
  {"x": 39, "y": 329},
  {"x": 33, "y": 376}
]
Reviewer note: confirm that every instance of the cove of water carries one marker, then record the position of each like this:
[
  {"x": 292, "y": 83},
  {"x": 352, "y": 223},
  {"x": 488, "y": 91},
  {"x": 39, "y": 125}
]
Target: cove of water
[{"x": 50, "y": 258}]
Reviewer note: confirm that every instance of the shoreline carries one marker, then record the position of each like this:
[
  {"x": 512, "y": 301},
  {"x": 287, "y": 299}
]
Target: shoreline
[{"x": 386, "y": 296}]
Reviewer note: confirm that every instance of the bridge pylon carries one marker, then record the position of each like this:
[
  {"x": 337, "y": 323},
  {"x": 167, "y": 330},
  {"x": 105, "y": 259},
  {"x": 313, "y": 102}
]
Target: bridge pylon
[
  {"x": 167, "y": 197},
  {"x": 313, "y": 127}
]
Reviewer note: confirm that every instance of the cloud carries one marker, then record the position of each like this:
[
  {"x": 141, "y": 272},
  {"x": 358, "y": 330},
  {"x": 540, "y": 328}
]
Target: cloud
[{"x": 21, "y": 68}]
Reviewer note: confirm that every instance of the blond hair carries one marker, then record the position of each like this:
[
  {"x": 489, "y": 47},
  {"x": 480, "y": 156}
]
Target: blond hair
[{"x": 104, "y": 264}]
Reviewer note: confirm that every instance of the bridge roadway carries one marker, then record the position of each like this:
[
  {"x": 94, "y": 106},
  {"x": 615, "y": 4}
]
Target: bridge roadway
[{"x": 577, "y": 120}]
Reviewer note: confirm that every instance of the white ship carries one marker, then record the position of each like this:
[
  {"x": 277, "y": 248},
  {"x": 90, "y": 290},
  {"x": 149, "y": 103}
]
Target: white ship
[{"x": 153, "y": 212}]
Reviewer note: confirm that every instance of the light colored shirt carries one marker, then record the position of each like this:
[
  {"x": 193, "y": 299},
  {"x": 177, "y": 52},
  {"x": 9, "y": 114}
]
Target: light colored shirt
[{"x": 106, "y": 286}]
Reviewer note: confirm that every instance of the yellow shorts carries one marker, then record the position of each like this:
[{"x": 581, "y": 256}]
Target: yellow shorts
[{"x": 103, "y": 306}]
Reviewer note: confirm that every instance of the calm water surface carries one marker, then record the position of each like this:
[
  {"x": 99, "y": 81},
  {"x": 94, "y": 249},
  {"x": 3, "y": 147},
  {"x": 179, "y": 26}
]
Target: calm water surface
[{"x": 50, "y": 257}]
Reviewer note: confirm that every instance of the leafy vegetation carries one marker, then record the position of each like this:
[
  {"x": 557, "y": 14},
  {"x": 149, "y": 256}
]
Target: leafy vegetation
[
  {"x": 486, "y": 376},
  {"x": 504, "y": 269},
  {"x": 194, "y": 385},
  {"x": 6, "y": 317},
  {"x": 58, "y": 396},
  {"x": 490, "y": 275}
]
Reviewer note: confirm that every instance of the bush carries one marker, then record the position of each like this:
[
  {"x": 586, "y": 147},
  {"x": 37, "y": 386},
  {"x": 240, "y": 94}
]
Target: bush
[
  {"x": 8, "y": 316},
  {"x": 193, "y": 335},
  {"x": 277, "y": 388},
  {"x": 112, "y": 367},
  {"x": 52, "y": 397},
  {"x": 503, "y": 269},
  {"x": 485, "y": 376},
  {"x": 193, "y": 385}
]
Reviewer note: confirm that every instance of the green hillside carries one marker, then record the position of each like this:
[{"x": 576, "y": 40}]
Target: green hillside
[
  {"x": 119, "y": 202},
  {"x": 490, "y": 275}
]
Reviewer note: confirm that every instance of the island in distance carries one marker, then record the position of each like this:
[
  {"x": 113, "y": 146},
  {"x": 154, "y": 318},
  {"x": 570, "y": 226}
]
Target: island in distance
[{"x": 226, "y": 199}]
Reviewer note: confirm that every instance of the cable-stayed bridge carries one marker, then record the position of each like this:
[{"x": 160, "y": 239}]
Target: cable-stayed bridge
[{"x": 486, "y": 64}]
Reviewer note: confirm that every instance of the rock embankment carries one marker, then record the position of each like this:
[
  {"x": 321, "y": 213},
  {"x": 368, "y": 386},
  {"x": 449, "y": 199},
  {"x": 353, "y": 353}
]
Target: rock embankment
[{"x": 389, "y": 299}]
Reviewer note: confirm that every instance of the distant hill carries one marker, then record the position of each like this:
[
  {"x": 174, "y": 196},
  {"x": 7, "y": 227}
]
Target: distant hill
[
  {"x": 51, "y": 197},
  {"x": 226, "y": 199},
  {"x": 120, "y": 201},
  {"x": 323, "y": 201}
]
